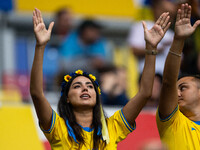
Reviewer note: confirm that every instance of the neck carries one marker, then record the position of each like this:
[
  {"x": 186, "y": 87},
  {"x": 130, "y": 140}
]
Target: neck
[
  {"x": 84, "y": 117},
  {"x": 193, "y": 115}
]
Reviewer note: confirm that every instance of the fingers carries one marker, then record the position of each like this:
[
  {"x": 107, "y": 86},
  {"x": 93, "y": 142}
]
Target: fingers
[
  {"x": 197, "y": 23},
  {"x": 50, "y": 27},
  {"x": 144, "y": 25},
  {"x": 40, "y": 16},
  {"x": 37, "y": 14},
  {"x": 182, "y": 15},
  {"x": 34, "y": 20},
  {"x": 159, "y": 19},
  {"x": 184, "y": 12},
  {"x": 178, "y": 17},
  {"x": 167, "y": 27},
  {"x": 37, "y": 17},
  {"x": 163, "y": 21},
  {"x": 189, "y": 12}
]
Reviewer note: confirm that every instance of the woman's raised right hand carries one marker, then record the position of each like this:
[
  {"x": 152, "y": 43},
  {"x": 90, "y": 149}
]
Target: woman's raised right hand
[{"x": 42, "y": 35}]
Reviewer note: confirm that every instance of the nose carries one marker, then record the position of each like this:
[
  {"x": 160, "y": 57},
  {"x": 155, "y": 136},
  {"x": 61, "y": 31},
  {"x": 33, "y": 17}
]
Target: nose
[
  {"x": 85, "y": 88},
  {"x": 179, "y": 93}
]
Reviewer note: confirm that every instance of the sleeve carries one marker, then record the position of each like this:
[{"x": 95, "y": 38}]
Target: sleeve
[
  {"x": 55, "y": 133},
  {"x": 118, "y": 126},
  {"x": 164, "y": 124}
]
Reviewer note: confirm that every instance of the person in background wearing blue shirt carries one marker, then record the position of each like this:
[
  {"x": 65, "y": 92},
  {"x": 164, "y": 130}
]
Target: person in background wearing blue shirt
[{"x": 83, "y": 48}]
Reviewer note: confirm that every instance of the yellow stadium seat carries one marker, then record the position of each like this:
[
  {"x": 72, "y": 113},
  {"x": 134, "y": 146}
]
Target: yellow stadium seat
[{"x": 17, "y": 128}]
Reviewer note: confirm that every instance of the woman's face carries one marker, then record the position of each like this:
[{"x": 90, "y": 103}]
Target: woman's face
[{"x": 82, "y": 93}]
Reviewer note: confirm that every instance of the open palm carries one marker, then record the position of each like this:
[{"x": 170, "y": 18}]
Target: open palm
[
  {"x": 157, "y": 32},
  {"x": 41, "y": 33},
  {"x": 183, "y": 27}
]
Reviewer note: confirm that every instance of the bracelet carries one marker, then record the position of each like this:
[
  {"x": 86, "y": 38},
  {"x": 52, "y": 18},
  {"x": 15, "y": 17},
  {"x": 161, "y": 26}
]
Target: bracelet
[
  {"x": 151, "y": 52},
  {"x": 176, "y": 54}
]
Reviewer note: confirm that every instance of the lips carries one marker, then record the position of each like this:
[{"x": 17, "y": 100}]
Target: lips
[
  {"x": 180, "y": 100},
  {"x": 85, "y": 96}
]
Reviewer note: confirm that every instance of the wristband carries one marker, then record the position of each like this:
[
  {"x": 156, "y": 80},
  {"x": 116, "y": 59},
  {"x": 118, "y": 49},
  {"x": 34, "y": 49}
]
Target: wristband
[
  {"x": 151, "y": 52},
  {"x": 176, "y": 54}
]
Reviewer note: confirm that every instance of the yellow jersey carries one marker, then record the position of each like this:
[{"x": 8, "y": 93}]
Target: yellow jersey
[
  {"x": 179, "y": 132},
  {"x": 59, "y": 137}
]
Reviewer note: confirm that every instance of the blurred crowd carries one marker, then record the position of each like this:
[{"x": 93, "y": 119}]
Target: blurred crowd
[{"x": 83, "y": 45}]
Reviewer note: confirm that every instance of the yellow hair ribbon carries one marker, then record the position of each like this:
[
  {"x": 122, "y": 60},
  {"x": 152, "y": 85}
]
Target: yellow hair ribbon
[{"x": 104, "y": 129}]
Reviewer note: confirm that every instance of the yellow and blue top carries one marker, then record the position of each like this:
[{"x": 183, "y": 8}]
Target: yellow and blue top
[
  {"x": 179, "y": 132},
  {"x": 61, "y": 137}
]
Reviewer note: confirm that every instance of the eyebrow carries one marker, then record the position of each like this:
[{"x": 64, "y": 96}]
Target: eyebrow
[
  {"x": 181, "y": 84},
  {"x": 81, "y": 83}
]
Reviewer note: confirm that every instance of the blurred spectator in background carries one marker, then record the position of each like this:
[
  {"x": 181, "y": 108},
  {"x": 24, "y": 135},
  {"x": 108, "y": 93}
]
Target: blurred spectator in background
[
  {"x": 63, "y": 26},
  {"x": 83, "y": 48},
  {"x": 153, "y": 101},
  {"x": 136, "y": 38},
  {"x": 113, "y": 85},
  {"x": 63, "y": 22}
]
